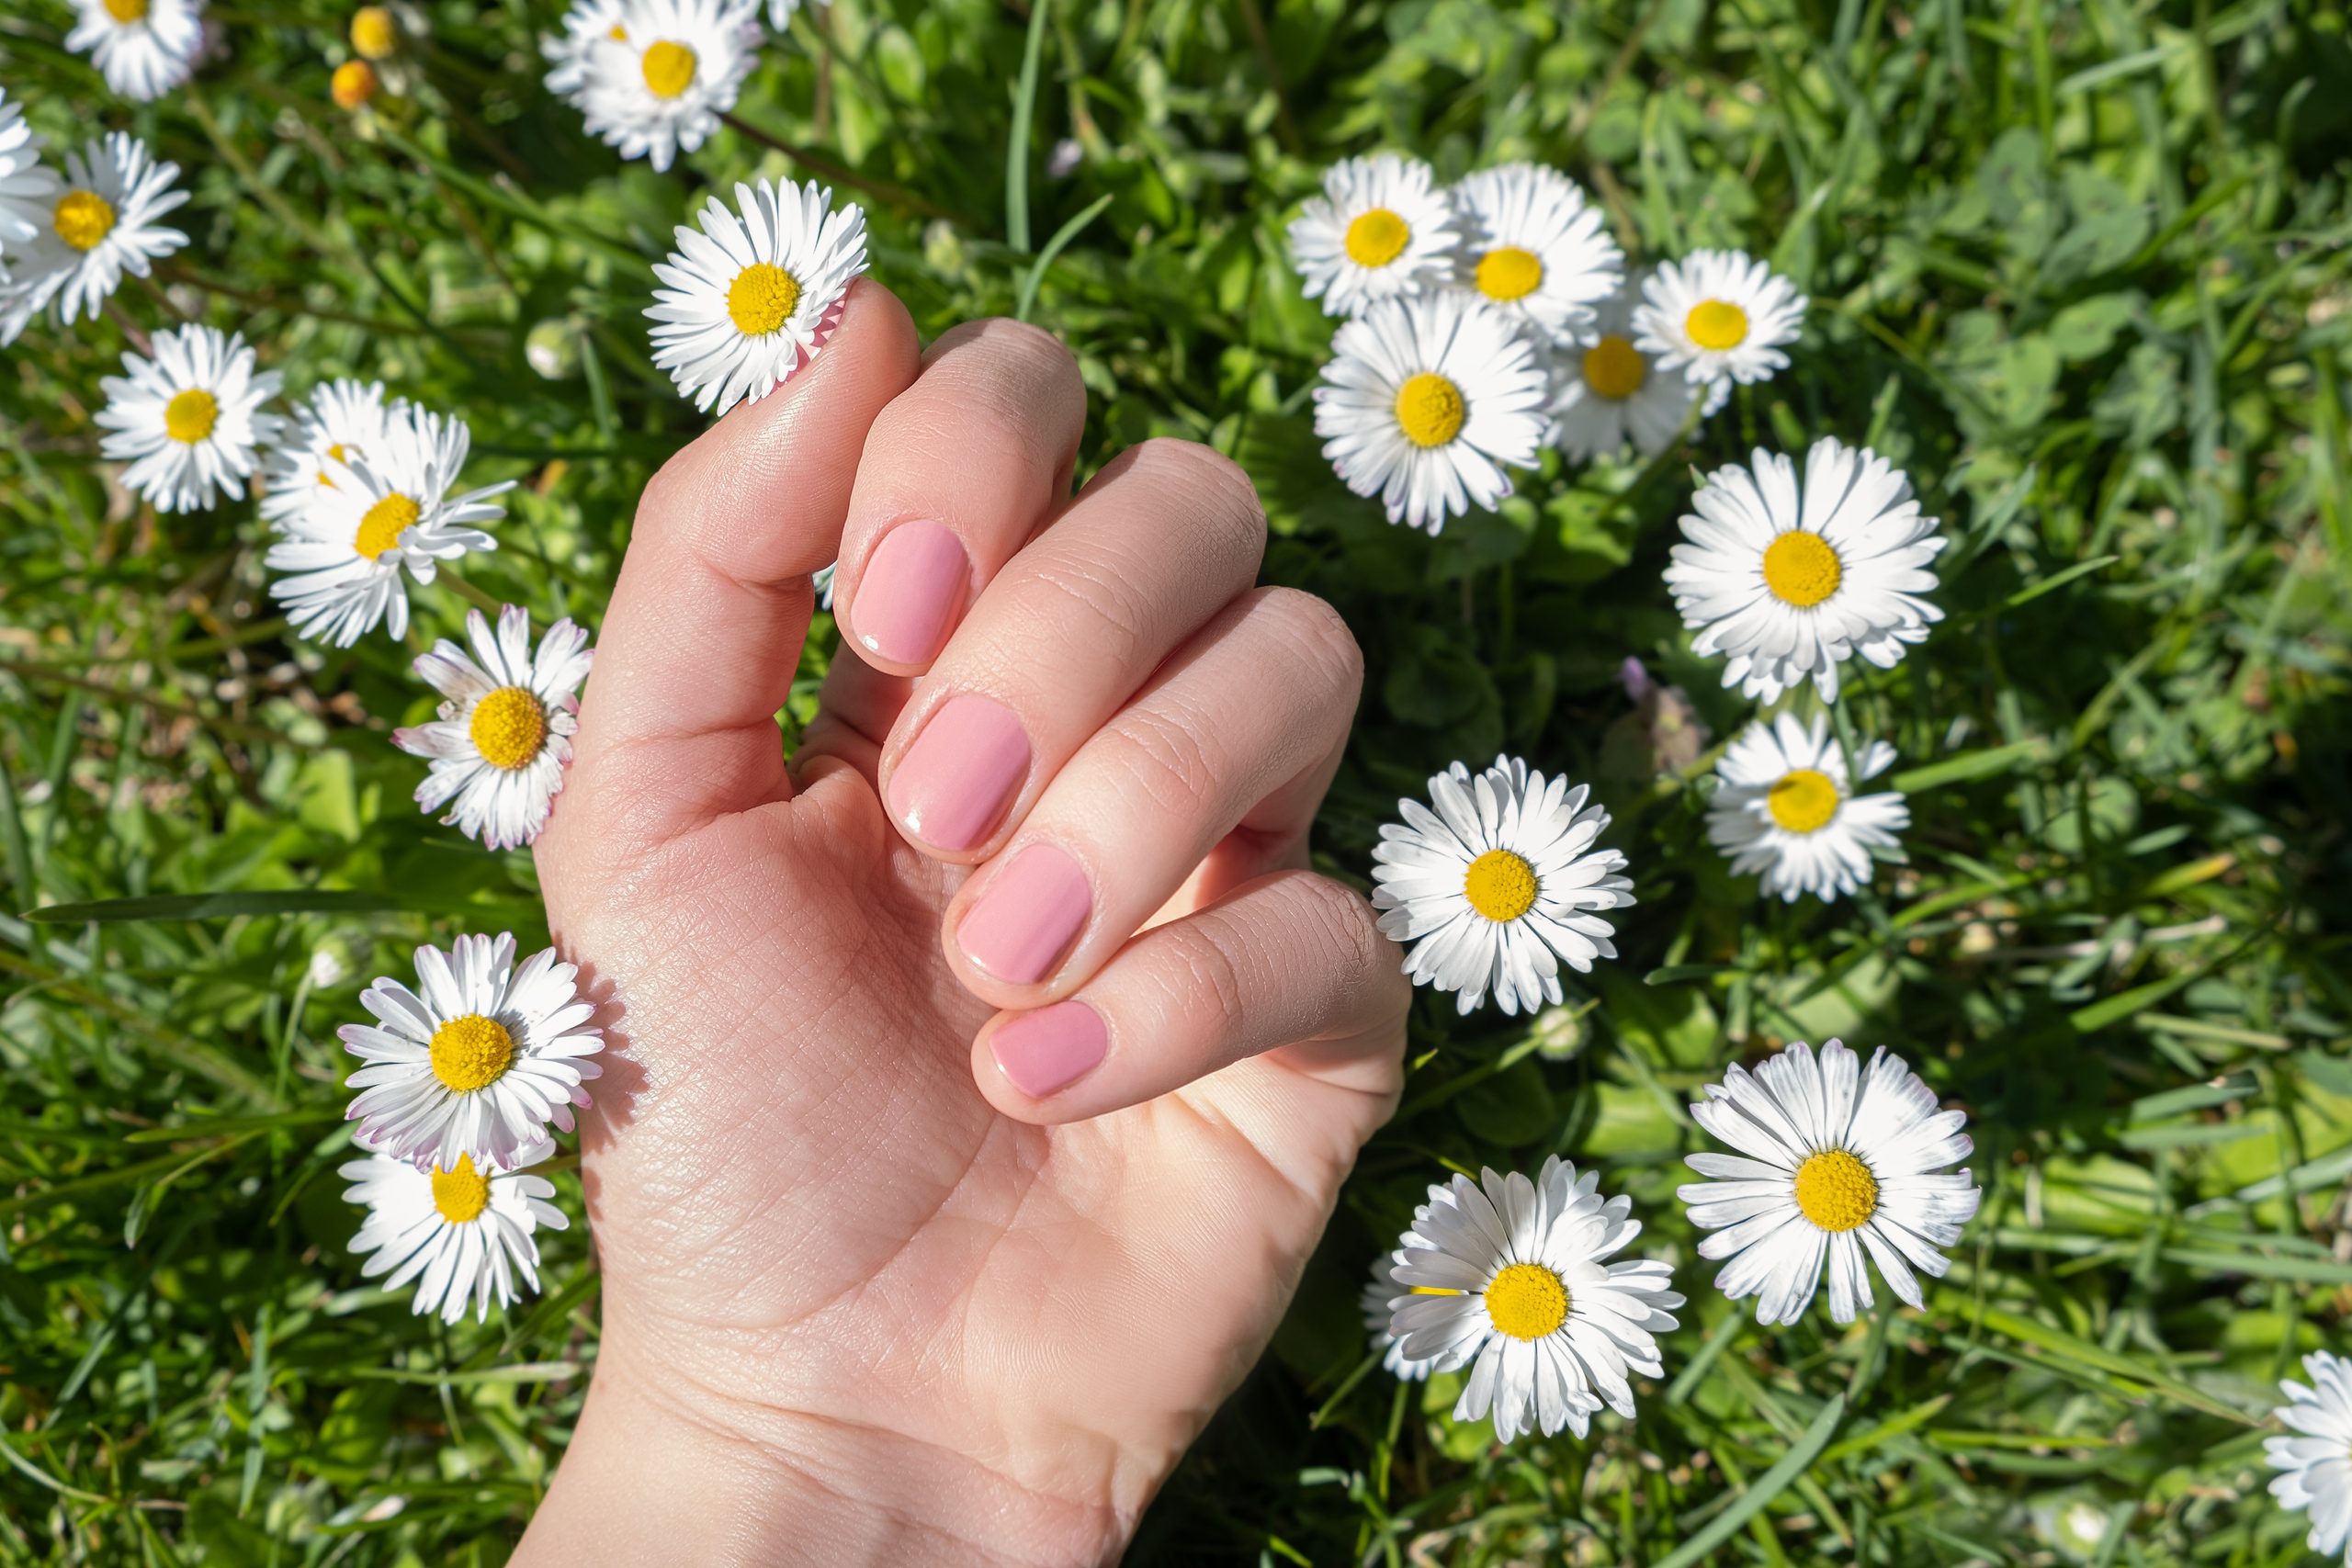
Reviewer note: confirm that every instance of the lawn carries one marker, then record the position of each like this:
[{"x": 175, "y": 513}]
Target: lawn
[{"x": 2080, "y": 269}]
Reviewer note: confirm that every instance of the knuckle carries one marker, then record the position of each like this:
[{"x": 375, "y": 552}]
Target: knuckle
[
  {"x": 1325, "y": 642},
  {"x": 1198, "y": 473},
  {"x": 1165, "y": 760},
  {"x": 1087, "y": 608}
]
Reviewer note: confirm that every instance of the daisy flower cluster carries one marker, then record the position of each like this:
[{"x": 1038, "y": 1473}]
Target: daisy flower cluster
[
  {"x": 1488, "y": 320},
  {"x": 364, "y": 494}
]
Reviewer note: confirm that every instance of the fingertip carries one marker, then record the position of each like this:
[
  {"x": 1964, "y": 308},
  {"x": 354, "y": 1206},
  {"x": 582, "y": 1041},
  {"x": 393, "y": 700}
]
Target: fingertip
[{"x": 1024, "y": 1062}]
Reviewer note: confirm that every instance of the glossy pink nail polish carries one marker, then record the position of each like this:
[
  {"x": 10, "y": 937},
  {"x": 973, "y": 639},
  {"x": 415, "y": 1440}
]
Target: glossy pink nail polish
[
  {"x": 1018, "y": 927},
  {"x": 952, "y": 787},
  {"x": 1050, "y": 1049},
  {"x": 912, "y": 586}
]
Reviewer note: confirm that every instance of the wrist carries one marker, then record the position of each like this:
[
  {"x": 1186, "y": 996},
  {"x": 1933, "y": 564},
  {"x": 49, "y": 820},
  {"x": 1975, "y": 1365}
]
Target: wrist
[{"x": 660, "y": 1471}]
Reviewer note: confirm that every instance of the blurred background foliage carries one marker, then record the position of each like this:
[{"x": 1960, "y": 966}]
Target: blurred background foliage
[{"x": 2079, "y": 268}]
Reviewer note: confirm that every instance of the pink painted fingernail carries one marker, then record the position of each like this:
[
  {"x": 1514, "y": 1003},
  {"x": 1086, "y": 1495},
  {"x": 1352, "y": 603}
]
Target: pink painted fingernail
[
  {"x": 1050, "y": 1049},
  {"x": 1027, "y": 917},
  {"x": 951, "y": 788},
  {"x": 911, "y": 588}
]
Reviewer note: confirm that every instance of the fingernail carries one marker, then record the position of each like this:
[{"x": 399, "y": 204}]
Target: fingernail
[
  {"x": 1020, "y": 926},
  {"x": 913, "y": 583},
  {"x": 952, "y": 786},
  {"x": 1049, "y": 1049}
]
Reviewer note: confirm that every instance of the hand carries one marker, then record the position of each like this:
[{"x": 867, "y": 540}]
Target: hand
[{"x": 944, "y": 1184}]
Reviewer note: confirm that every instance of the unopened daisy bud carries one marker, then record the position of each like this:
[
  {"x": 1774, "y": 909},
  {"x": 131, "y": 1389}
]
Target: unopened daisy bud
[
  {"x": 354, "y": 84},
  {"x": 1509, "y": 1277},
  {"x": 503, "y": 736},
  {"x": 552, "y": 348},
  {"x": 478, "y": 1062},
  {"x": 1499, "y": 886},
  {"x": 462, "y": 1231},
  {"x": 373, "y": 33}
]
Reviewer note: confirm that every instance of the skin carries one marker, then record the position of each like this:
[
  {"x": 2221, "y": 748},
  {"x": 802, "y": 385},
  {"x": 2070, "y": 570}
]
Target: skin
[{"x": 864, "y": 1299}]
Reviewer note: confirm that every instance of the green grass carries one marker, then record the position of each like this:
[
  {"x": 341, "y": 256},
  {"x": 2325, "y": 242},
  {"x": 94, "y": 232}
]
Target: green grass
[{"x": 2079, "y": 268}]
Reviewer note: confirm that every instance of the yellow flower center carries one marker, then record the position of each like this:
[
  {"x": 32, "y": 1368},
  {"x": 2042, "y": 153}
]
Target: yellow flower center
[
  {"x": 189, "y": 417},
  {"x": 1801, "y": 568},
  {"x": 507, "y": 728},
  {"x": 472, "y": 1052},
  {"x": 762, "y": 297},
  {"x": 460, "y": 1194},
  {"x": 353, "y": 83},
  {"x": 1500, "y": 886},
  {"x": 1837, "y": 1192},
  {"x": 383, "y": 524},
  {"x": 1377, "y": 238},
  {"x": 1527, "y": 1301},
  {"x": 127, "y": 11},
  {"x": 374, "y": 34},
  {"x": 1716, "y": 325},
  {"x": 669, "y": 69},
  {"x": 1802, "y": 801},
  {"x": 1508, "y": 273},
  {"x": 1429, "y": 409},
  {"x": 83, "y": 218},
  {"x": 1614, "y": 368},
  {"x": 617, "y": 33}
]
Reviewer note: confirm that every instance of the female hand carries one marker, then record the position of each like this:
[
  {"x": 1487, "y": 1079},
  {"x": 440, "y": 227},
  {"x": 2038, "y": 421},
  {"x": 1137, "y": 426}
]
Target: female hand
[{"x": 977, "y": 1086}]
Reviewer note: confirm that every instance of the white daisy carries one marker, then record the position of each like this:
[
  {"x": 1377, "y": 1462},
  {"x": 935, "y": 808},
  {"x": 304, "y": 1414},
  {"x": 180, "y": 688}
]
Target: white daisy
[
  {"x": 1495, "y": 887},
  {"x": 2318, "y": 1462},
  {"x": 1425, "y": 403},
  {"x": 28, "y": 186},
  {"x": 463, "y": 1232},
  {"x": 1533, "y": 248},
  {"x": 1607, "y": 392},
  {"x": 821, "y": 579},
  {"x": 1511, "y": 1279},
  {"x": 1380, "y": 229},
  {"x": 188, "y": 420},
  {"x": 340, "y": 420},
  {"x": 1720, "y": 314},
  {"x": 504, "y": 735},
  {"x": 1787, "y": 809},
  {"x": 752, "y": 296},
  {"x": 654, "y": 78},
  {"x": 478, "y": 1063},
  {"x": 1379, "y": 1300},
  {"x": 1790, "y": 580},
  {"x": 1832, "y": 1163},
  {"x": 780, "y": 12},
  {"x": 385, "y": 508},
  {"x": 100, "y": 224},
  {"x": 144, "y": 48}
]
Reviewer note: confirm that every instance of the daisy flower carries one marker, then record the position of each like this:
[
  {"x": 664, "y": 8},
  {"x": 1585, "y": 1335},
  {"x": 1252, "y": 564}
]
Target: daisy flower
[
  {"x": 375, "y": 32},
  {"x": 1425, "y": 402},
  {"x": 27, "y": 188},
  {"x": 821, "y": 581},
  {"x": 384, "y": 509},
  {"x": 1790, "y": 580},
  {"x": 2318, "y": 1462},
  {"x": 1787, "y": 809},
  {"x": 188, "y": 420},
  {"x": 1833, "y": 1162},
  {"x": 478, "y": 1062},
  {"x": 652, "y": 77},
  {"x": 462, "y": 1232},
  {"x": 504, "y": 735},
  {"x": 1719, "y": 314},
  {"x": 780, "y": 12},
  {"x": 1510, "y": 1277},
  {"x": 1534, "y": 249},
  {"x": 1607, "y": 392},
  {"x": 1380, "y": 229},
  {"x": 1497, "y": 886},
  {"x": 342, "y": 420},
  {"x": 751, "y": 297},
  {"x": 99, "y": 225},
  {"x": 1379, "y": 1300},
  {"x": 144, "y": 48}
]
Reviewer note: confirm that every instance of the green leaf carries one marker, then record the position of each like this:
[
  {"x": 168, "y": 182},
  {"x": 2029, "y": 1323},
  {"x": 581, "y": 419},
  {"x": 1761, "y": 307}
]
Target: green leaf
[
  {"x": 1767, "y": 1486},
  {"x": 226, "y": 906}
]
